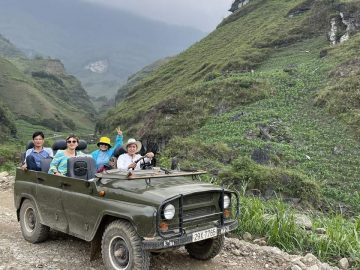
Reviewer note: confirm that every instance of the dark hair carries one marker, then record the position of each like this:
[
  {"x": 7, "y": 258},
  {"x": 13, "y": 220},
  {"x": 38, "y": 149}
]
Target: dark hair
[
  {"x": 38, "y": 133},
  {"x": 73, "y": 136}
]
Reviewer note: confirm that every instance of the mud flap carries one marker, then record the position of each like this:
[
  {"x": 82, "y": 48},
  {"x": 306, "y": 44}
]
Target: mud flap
[{"x": 95, "y": 247}]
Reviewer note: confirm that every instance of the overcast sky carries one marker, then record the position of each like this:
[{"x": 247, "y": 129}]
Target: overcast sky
[{"x": 201, "y": 14}]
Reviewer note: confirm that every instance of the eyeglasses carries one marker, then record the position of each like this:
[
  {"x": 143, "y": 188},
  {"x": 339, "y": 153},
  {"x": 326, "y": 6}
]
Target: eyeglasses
[
  {"x": 103, "y": 144},
  {"x": 69, "y": 141}
]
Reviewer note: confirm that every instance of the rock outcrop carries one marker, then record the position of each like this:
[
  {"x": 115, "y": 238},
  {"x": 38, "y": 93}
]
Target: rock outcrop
[
  {"x": 6, "y": 181},
  {"x": 238, "y": 4},
  {"x": 344, "y": 25}
]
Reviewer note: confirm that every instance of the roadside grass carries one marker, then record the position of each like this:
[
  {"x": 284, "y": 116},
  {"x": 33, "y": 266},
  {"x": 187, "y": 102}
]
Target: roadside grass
[{"x": 275, "y": 220}]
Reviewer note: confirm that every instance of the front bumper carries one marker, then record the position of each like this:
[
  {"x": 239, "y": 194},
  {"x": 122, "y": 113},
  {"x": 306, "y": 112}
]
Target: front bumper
[{"x": 161, "y": 243}]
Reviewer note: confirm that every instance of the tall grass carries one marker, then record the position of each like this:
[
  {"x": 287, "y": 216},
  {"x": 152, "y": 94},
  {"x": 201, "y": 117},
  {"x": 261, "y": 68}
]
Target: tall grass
[{"x": 275, "y": 221}]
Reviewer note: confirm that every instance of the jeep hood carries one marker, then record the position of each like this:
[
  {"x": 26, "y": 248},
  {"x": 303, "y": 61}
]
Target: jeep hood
[{"x": 157, "y": 190}]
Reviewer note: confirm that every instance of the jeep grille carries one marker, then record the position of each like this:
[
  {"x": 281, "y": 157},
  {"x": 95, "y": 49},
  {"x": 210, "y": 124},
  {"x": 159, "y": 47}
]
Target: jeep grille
[{"x": 197, "y": 210}]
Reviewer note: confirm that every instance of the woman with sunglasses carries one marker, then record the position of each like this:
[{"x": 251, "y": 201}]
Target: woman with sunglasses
[
  {"x": 105, "y": 152},
  {"x": 58, "y": 165}
]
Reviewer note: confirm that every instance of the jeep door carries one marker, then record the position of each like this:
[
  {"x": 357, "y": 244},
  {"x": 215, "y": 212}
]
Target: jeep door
[
  {"x": 48, "y": 197},
  {"x": 76, "y": 202}
]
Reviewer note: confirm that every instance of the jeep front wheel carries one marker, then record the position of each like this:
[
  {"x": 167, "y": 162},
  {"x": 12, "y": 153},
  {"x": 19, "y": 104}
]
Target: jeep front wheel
[
  {"x": 206, "y": 249},
  {"x": 121, "y": 248},
  {"x": 31, "y": 228}
]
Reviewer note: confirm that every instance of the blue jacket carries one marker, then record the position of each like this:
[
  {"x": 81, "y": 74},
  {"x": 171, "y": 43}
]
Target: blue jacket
[{"x": 108, "y": 154}]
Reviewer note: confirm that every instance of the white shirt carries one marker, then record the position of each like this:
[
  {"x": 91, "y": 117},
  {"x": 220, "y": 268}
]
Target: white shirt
[{"x": 125, "y": 160}]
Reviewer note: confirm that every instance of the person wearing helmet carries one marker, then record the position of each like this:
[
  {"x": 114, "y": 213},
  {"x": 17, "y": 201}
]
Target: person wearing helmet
[{"x": 105, "y": 152}]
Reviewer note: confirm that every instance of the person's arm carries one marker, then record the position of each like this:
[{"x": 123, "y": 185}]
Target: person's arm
[
  {"x": 147, "y": 158},
  {"x": 27, "y": 153},
  {"x": 118, "y": 140},
  {"x": 55, "y": 163}
]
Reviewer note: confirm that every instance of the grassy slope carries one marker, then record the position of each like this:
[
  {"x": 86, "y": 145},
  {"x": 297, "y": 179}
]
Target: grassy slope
[
  {"x": 313, "y": 132},
  {"x": 211, "y": 86},
  {"x": 36, "y": 99}
]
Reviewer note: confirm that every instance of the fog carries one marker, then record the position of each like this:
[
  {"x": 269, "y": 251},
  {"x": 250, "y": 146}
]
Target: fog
[{"x": 201, "y": 14}]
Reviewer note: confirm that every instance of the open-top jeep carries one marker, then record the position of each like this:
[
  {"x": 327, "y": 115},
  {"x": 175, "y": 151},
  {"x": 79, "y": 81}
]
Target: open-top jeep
[{"x": 126, "y": 215}]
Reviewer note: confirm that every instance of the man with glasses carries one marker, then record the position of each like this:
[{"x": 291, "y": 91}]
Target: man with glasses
[{"x": 38, "y": 152}]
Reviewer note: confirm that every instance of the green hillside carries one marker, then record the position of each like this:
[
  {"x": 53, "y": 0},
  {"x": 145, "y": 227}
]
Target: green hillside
[
  {"x": 264, "y": 102},
  {"x": 39, "y": 97},
  {"x": 40, "y": 92}
]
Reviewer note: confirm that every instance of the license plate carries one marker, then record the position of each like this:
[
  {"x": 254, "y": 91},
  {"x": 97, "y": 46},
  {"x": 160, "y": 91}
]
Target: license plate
[{"x": 209, "y": 233}]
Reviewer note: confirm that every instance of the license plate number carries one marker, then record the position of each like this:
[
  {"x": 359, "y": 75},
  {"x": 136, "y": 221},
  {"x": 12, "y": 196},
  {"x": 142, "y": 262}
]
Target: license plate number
[{"x": 209, "y": 233}]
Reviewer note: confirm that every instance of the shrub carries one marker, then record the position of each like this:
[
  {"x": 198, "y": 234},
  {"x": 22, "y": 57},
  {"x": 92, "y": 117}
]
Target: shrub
[
  {"x": 283, "y": 182},
  {"x": 193, "y": 153}
]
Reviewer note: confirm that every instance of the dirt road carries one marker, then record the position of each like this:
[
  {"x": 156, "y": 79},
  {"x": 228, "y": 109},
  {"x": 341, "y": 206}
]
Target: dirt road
[{"x": 61, "y": 251}]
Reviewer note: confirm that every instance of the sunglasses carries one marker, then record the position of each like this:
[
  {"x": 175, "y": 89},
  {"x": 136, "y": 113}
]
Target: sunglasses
[{"x": 70, "y": 141}]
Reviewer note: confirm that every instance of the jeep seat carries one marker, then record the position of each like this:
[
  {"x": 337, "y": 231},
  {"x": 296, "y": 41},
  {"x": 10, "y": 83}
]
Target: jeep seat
[
  {"x": 45, "y": 164},
  {"x": 119, "y": 151},
  {"x": 81, "y": 167}
]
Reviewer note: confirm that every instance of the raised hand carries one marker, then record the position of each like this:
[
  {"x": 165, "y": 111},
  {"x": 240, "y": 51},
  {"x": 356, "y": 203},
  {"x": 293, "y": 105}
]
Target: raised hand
[{"x": 119, "y": 132}]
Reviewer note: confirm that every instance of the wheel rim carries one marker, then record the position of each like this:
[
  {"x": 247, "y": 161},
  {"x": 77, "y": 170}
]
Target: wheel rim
[
  {"x": 119, "y": 253},
  {"x": 29, "y": 220}
]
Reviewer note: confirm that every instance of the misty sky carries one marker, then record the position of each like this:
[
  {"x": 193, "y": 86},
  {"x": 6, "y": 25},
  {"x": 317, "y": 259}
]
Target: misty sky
[{"x": 201, "y": 14}]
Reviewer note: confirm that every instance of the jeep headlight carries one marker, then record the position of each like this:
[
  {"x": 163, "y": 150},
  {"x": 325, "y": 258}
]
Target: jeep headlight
[
  {"x": 226, "y": 201},
  {"x": 169, "y": 211}
]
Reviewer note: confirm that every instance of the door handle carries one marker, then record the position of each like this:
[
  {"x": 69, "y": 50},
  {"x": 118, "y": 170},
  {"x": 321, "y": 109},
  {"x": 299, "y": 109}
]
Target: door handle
[
  {"x": 40, "y": 179},
  {"x": 63, "y": 184}
]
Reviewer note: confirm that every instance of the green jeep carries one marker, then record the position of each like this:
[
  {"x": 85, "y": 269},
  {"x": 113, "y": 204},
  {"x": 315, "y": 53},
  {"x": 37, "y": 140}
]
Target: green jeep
[{"x": 127, "y": 216}]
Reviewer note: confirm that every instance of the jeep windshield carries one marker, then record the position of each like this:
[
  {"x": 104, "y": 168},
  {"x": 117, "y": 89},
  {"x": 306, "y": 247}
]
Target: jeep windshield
[{"x": 147, "y": 175}]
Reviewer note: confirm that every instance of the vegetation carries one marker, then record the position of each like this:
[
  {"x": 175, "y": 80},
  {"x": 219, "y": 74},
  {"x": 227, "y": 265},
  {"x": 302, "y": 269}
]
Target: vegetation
[
  {"x": 7, "y": 126},
  {"x": 276, "y": 221}
]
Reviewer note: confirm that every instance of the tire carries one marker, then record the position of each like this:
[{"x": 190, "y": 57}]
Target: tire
[
  {"x": 206, "y": 249},
  {"x": 121, "y": 248},
  {"x": 31, "y": 228}
]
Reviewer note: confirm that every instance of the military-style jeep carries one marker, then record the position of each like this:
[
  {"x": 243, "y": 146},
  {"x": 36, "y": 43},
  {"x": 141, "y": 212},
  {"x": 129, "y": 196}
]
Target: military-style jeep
[{"x": 127, "y": 216}]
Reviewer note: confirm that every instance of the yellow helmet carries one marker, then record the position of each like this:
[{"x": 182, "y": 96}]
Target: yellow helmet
[{"x": 104, "y": 140}]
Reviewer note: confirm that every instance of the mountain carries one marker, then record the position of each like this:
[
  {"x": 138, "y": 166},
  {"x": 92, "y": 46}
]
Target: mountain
[
  {"x": 99, "y": 45},
  {"x": 39, "y": 91},
  {"x": 137, "y": 77},
  {"x": 268, "y": 101},
  {"x": 7, "y": 49}
]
